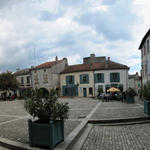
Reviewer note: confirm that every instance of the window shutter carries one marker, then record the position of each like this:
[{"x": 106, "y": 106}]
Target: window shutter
[
  {"x": 63, "y": 87},
  {"x": 87, "y": 78},
  {"x": 111, "y": 79},
  {"x": 102, "y": 77},
  {"x": 80, "y": 79},
  {"x": 118, "y": 77},
  {"x": 95, "y": 78},
  {"x": 72, "y": 79},
  {"x": 67, "y": 80}
]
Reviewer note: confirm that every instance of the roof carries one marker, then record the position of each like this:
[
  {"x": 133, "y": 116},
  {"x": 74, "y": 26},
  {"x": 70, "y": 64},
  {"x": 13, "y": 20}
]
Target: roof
[
  {"x": 134, "y": 76},
  {"x": 144, "y": 38},
  {"x": 22, "y": 72},
  {"x": 47, "y": 64},
  {"x": 108, "y": 65}
]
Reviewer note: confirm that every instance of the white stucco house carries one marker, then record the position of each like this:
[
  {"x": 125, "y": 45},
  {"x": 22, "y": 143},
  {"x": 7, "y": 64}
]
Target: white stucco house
[
  {"x": 135, "y": 81},
  {"x": 98, "y": 72}
]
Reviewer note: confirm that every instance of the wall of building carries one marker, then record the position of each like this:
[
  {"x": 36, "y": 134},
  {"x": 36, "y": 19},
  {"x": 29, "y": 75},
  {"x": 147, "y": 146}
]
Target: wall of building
[
  {"x": 25, "y": 84},
  {"x": 77, "y": 81},
  {"x": 48, "y": 78},
  {"x": 132, "y": 83},
  {"x": 123, "y": 79},
  {"x": 145, "y": 62}
]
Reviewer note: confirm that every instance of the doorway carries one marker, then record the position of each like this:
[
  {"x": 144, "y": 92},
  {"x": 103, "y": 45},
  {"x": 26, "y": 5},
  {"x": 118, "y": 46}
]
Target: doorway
[{"x": 84, "y": 92}]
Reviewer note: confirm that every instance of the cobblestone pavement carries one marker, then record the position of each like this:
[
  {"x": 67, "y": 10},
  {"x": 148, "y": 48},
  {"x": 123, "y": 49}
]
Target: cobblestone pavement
[
  {"x": 127, "y": 137},
  {"x": 13, "y": 117},
  {"x": 117, "y": 109}
]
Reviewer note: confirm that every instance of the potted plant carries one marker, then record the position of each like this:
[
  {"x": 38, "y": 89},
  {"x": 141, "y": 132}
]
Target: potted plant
[
  {"x": 146, "y": 95},
  {"x": 130, "y": 94},
  {"x": 48, "y": 127}
]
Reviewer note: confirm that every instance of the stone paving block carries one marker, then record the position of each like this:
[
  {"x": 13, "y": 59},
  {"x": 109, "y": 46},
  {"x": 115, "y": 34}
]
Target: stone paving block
[
  {"x": 15, "y": 107},
  {"x": 127, "y": 137},
  {"x": 117, "y": 109},
  {"x": 6, "y": 118}
]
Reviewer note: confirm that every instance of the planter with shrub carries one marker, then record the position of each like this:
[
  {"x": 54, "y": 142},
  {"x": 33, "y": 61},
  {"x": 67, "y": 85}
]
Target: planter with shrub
[
  {"x": 130, "y": 94},
  {"x": 48, "y": 129}
]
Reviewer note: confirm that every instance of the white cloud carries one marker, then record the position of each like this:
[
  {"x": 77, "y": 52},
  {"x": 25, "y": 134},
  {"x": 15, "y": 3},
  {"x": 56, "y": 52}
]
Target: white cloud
[{"x": 25, "y": 39}]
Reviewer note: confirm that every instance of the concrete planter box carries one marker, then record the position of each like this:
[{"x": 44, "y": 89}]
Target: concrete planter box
[
  {"x": 42, "y": 133},
  {"x": 147, "y": 107},
  {"x": 129, "y": 100}
]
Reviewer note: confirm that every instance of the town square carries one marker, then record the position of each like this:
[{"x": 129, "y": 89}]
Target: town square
[{"x": 74, "y": 75}]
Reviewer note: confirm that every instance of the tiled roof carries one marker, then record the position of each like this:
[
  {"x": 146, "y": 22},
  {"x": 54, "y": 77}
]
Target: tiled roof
[
  {"x": 108, "y": 65},
  {"x": 22, "y": 72},
  {"x": 144, "y": 38},
  {"x": 47, "y": 64}
]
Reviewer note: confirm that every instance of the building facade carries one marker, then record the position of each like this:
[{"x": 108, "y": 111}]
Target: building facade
[
  {"x": 24, "y": 79},
  {"x": 145, "y": 57},
  {"x": 135, "y": 82},
  {"x": 105, "y": 79},
  {"x": 46, "y": 75},
  {"x": 97, "y": 72},
  {"x": 77, "y": 80}
]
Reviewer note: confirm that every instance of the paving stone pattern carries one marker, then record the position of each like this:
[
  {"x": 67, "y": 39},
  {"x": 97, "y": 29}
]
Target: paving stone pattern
[
  {"x": 127, "y": 137},
  {"x": 14, "y": 118},
  {"x": 117, "y": 109}
]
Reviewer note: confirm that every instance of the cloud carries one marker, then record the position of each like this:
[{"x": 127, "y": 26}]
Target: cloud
[
  {"x": 108, "y": 2},
  {"x": 35, "y": 31},
  {"x": 114, "y": 24}
]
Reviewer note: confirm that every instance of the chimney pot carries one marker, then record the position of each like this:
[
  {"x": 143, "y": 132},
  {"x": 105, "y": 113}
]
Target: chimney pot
[
  {"x": 56, "y": 59},
  {"x": 92, "y": 55}
]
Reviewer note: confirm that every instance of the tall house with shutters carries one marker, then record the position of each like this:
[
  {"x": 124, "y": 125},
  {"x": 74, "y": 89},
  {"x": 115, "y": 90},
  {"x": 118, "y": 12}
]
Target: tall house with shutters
[
  {"x": 145, "y": 57},
  {"x": 77, "y": 80},
  {"x": 95, "y": 73},
  {"x": 46, "y": 76}
]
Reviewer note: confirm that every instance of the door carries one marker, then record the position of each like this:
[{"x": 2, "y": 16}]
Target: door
[{"x": 84, "y": 92}]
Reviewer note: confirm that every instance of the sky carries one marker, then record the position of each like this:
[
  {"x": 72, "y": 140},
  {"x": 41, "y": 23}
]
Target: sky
[{"x": 36, "y": 31}]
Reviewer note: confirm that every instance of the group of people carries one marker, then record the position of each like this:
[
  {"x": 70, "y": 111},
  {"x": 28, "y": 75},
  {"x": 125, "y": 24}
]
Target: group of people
[{"x": 120, "y": 96}]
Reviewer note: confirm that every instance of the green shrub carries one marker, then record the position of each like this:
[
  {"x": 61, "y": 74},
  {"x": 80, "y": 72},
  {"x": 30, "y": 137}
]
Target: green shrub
[
  {"x": 146, "y": 91},
  {"x": 46, "y": 107},
  {"x": 130, "y": 92}
]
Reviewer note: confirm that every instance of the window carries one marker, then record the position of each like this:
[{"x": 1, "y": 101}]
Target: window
[
  {"x": 99, "y": 78},
  {"x": 70, "y": 79},
  {"x": 145, "y": 68},
  {"x": 144, "y": 51},
  {"x": 148, "y": 46},
  {"x": 36, "y": 81},
  {"x": 114, "y": 77},
  {"x": 139, "y": 85},
  {"x": 34, "y": 71},
  {"x": 22, "y": 80},
  {"x": 45, "y": 78},
  {"x": 84, "y": 78},
  {"x": 44, "y": 70},
  {"x": 28, "y": 79},
  {"x": 91, "y": 91}
]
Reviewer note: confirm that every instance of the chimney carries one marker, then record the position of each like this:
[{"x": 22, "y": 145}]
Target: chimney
[
  {"x": 92, "y": 55},
  {"x": 56, "y": 59}
]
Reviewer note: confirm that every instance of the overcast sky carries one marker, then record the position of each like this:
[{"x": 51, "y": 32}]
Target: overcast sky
[{"x": 35, "y": 31}]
